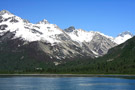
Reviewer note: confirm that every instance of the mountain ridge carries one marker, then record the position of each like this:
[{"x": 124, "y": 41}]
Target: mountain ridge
[
  {"x": 44, "y": 47},
  {"x": 52, "y": 40}
]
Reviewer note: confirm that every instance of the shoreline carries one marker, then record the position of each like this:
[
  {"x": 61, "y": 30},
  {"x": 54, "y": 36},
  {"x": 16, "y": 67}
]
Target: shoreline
[{"x": 70, "y": 75}]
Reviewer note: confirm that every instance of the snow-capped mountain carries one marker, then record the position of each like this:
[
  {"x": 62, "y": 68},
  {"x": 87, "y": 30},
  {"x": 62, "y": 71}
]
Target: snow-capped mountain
[
  {"x": 50, "y": 39},
  {"x": 46, "y": 41},
  {"x": 28, "y": 31},
  {"x": 97, "y": 42},
  {"x": 122, "y": 37},
  {"x": 80, "y": 35}
]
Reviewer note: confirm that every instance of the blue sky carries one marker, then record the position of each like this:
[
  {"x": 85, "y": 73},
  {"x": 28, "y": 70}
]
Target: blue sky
[{"x": 110, "y": 17}]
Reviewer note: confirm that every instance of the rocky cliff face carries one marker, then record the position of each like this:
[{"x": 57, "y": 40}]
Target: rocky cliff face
[{"x": 95, "y": 42}]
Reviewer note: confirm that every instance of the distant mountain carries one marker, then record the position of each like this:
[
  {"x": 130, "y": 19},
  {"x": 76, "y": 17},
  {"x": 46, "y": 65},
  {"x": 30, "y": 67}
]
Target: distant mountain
[{"x": 122, "y": 37}]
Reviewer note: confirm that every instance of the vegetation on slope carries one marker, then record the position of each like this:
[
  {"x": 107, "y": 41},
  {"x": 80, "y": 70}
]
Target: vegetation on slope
[{"x": 119, "y": 60}]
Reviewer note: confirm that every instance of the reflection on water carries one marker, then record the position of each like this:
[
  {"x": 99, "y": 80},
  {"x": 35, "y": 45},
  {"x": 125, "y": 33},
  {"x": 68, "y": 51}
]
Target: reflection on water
[
  {"x": 91, "y": 84},
  {"x": 66, "y": 83}
]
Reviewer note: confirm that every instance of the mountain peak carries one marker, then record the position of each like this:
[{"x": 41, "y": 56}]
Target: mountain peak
[
  {"x": 125, "y": 33},
  {"x": 122, "y": 37},
  {"x": 26, "y": 21},
  {"x": 70, "y": 29},
  {"x": 4, "y": 12},
  {"x": 44, "y": 21}
]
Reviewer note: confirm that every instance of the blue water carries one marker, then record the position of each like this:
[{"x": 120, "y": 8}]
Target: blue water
[{"x": 66, "y": 83}]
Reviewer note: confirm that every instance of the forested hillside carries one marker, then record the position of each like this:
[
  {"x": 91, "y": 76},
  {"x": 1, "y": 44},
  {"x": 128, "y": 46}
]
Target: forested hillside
[{"x": 119, "y": 60}]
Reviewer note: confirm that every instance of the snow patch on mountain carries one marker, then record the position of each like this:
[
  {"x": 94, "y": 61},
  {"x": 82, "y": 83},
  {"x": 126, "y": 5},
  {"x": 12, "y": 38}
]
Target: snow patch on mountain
[
  {"x": 124, "y": 36},
  {"x": 80, "y": 35}
]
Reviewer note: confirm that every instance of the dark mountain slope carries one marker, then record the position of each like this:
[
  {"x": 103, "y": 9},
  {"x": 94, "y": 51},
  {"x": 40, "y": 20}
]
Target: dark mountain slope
[{"x": 119, "y": 60}]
